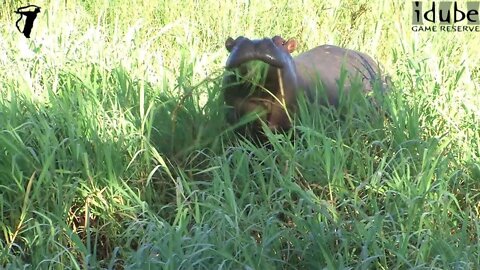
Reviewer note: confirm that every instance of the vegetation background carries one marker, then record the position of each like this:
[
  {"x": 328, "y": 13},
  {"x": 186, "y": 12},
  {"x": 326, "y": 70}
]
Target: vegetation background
[{"x": 114, "y": 152}]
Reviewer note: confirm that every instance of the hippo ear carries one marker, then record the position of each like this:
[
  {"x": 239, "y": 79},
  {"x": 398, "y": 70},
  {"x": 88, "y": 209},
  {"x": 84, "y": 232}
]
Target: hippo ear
[
  {"x": 278, "y": 40},
  {"x": 229, "y": 44},
  {"x": 291, "y": 45}
]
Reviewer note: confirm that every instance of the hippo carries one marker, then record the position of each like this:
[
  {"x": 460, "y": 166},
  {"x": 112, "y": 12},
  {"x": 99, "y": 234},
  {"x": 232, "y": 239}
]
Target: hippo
[{"x": 283, "y": 78}]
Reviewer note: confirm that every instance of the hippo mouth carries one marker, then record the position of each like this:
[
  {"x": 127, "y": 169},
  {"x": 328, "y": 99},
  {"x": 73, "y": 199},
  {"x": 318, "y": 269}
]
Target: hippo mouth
[{"x": 243, "y": 50}]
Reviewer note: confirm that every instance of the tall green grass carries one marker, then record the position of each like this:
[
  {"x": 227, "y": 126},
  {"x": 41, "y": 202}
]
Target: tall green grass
[{"x": 114, "y": 151}]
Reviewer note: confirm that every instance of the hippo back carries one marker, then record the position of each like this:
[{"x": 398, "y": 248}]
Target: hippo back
[{"x": 324, "y": 63}]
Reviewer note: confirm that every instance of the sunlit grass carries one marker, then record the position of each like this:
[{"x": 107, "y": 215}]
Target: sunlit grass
[{"x": 114, "y": 151}]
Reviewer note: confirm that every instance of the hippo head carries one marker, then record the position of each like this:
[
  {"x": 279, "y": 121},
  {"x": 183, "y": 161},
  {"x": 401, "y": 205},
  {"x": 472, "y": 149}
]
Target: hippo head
[
  {"x": 252, "y": 58},
  {"x": 267, "y": 50},
  {"x": 268, "y": 88}
]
